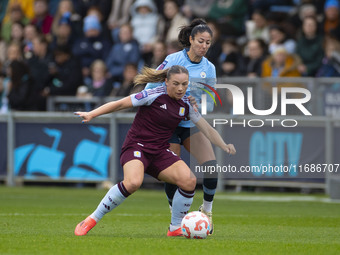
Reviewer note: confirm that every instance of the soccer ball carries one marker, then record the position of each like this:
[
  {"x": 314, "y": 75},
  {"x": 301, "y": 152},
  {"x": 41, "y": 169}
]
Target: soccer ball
[{"x": 195, "y": 225}]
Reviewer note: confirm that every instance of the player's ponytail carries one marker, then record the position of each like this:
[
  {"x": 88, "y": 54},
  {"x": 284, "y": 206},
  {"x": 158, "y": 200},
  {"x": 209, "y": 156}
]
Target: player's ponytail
[
  {"x": 150, "y": 75},
  {"x": 196, "y": 26},
  {"x": 158, "y": 76}
]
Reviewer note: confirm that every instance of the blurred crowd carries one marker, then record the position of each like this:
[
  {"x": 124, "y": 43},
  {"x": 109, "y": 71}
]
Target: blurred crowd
[{"x": 89, "y": 48}]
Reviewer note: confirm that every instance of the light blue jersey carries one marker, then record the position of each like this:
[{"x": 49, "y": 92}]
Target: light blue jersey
[{"x": 200, "y": 74}]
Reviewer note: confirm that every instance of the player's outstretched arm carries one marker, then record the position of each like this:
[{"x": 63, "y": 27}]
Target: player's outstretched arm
[
  {"x": 214, "y": 136},
  {"x": 109, "y": 107}
]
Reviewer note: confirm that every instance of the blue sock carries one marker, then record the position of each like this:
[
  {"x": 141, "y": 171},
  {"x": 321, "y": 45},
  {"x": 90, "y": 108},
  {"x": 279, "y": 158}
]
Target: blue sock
[
  {"x": 114, "y": 197},
  {"x": 180, "y": 206}
]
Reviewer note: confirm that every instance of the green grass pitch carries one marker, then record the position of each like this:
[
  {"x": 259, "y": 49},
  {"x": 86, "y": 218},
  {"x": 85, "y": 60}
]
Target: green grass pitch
[{"x": 37, "y": 220}]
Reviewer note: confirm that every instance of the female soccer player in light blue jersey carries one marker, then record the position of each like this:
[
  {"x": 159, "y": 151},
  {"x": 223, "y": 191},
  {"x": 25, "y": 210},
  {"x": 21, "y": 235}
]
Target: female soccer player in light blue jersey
[{"x": 196, "y": 40}]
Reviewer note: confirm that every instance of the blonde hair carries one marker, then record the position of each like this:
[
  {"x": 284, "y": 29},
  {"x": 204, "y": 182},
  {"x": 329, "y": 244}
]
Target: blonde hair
[
  {"x": 99, "y": 63},
  {"x": 158, "y": 76}
]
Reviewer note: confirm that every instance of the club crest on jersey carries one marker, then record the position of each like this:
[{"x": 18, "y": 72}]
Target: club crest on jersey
[
  {"x": 203, "y": 75},
  {"x": 181, "y": 111},
  {"x": 141, "y": 95},
  {"x": 161, "y": 67},
  {"x": 137, "y": 154}
]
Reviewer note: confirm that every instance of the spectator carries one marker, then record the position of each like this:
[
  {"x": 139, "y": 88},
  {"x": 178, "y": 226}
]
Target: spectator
[
  {"x": 27, "y": 7},
  {"x": 215, "y": 49},
  {"x": 20, "y": 87},
  {"x": 99, "y": 85},
  {"x": 16, "y": 15},
  {"x": 265, "y": 5},
  {"x": 125, "y": 50},
  {"x": 3, "y": 50},
  {"x": 30, "y": 32},
  {"x": 331, "y": 23},
  {"x": 230, "y": 16},
  {"x": 257, "y": 27},
  {"x": 127, "y": 86},
  {"x": 64, "y": 33},
  {"x": 3, "y": 8},
  {"x": 82, "y": 7},
  {"x": 159, "y": 53},
  {"x": 65, "y": 13},
  {"x": 65, "y": 74},
  {"x": 280, "y": 64},
  {"x": 17, "y": 33},
  {"x": 173, "y": 21},
  {"x": 92, "y": 45},
  {"x": 304, "y": 11},
  {"x": 39, "y": 64},
  {"x": 197, "y": 8},
  {"x": 230, "y": 59},
  {"x": 330, "y": 66},
  {"x": 14, "y": 52},
  {"x": 4, "y": 87},
  {"x": 173, "y": 47},
  {"x": 145, "y": 20},
  {"x": 42, "y": 20},
  {"x": 278, "y": 38},
  {"x": 119, "y": 13},
  {"x": 309, "y": 47},
  {"x": 96, "y": 11},
  {"x": 256, "y": 52}
]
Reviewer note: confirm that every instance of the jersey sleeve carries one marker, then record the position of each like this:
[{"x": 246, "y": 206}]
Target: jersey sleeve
[{"x": 146, "y": 96}]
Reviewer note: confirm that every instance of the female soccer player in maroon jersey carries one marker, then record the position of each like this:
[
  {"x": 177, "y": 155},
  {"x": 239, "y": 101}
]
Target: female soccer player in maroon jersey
[{"x": 146, "y": 147}]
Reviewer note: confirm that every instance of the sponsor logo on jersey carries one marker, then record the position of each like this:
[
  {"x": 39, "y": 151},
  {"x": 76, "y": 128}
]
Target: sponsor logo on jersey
[
  {"x": 163, "y": 106},
  {"x": 203, "y": 75},
  {"x": 181, "y": 111},
  {"x": 161, "y": 67},
  {"x": 141, "y": 95},
  {"x": 137, "y": 154}
]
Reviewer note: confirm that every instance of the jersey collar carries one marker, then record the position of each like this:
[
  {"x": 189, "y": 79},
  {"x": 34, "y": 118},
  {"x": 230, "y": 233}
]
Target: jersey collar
[{"x": 185, "y": 52}]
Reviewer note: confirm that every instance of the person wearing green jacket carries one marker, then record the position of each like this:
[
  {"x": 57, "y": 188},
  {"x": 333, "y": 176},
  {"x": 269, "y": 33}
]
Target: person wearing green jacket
[{"x": 230, "y": 16}]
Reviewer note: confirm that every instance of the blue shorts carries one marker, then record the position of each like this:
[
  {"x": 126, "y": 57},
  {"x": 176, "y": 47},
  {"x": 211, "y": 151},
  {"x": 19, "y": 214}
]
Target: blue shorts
[{"x": 182, "y": 133}]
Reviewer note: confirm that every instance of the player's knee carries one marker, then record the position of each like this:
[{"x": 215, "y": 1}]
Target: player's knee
[
  {"x": 132, "y": 185},
  {"x": 188, "y": 183}
]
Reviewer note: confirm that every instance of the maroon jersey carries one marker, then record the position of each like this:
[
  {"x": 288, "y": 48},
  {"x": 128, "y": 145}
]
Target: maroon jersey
[{"x": 157, "y": 118}]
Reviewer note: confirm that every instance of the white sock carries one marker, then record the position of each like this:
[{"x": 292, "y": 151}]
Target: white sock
[
  {"x": 114, "y": 197},
  {"x": 207, "y": 205},
  {"x": 180, "y": 206}
]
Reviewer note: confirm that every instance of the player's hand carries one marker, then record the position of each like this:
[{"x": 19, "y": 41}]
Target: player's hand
[
  {"x": 230, "y": 149},
  {"x": 85, "y": 115},
  {"x": 193, "y": 101}
]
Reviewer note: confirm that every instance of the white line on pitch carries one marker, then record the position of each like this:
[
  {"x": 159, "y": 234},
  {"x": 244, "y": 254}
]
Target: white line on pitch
[{"x": 277, "y": 198}]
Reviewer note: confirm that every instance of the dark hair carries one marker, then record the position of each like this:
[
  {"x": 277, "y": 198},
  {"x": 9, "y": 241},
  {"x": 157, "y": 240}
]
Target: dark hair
[
  {"x": 19, "y": 73},
  {"x": 155, "y": 76},
  {"x": 63, "y": 49},
  {"x": 196, "y": 26},
  {"x": 263, "y": 45},
  {"x": 173, "y": 1},
  {"x": 42, "y": 39}
]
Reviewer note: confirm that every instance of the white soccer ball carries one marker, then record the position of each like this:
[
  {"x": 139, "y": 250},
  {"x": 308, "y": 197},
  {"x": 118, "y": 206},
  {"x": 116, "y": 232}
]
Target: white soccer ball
[{"x": 195, "y": 225}]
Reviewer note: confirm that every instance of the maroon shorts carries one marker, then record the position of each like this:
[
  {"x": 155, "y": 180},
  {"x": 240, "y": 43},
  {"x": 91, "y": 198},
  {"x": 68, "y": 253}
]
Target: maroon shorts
[{"x": 153, "y": 163}]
